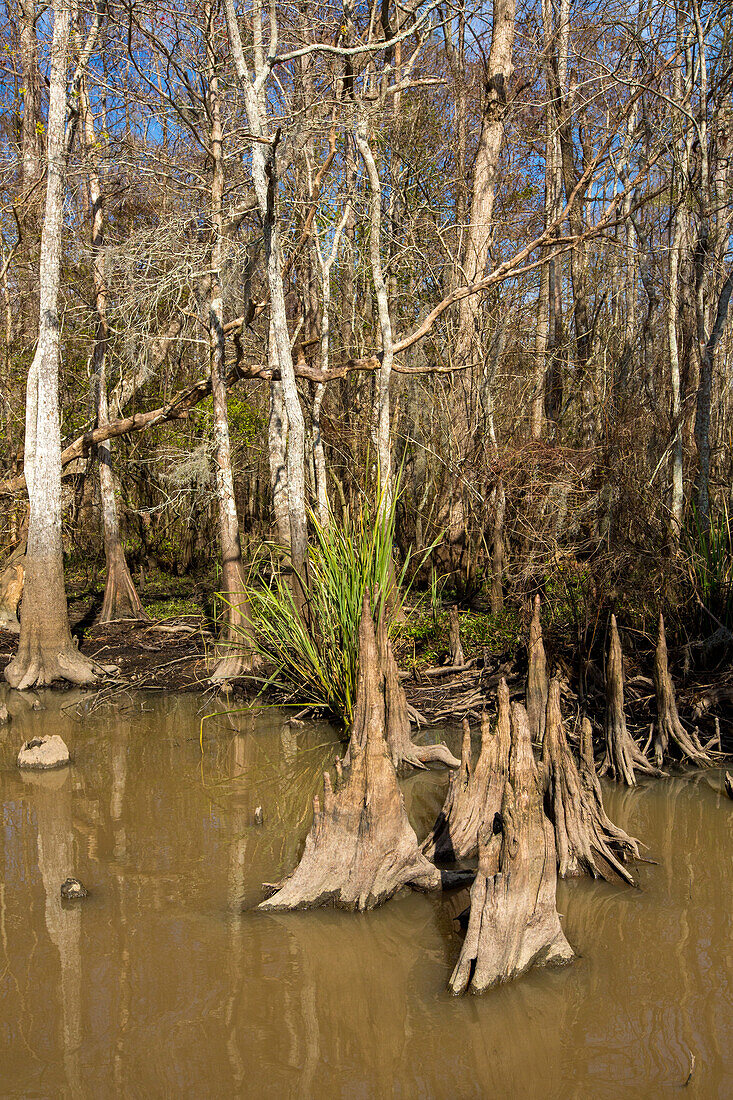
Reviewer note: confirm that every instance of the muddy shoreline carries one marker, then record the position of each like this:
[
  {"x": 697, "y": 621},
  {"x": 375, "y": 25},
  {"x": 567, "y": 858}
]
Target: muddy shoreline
[{"x": 174, "y": 656}]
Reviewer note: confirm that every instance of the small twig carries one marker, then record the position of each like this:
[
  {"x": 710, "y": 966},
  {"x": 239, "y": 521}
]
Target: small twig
[{"x": 692, "y": 1069}]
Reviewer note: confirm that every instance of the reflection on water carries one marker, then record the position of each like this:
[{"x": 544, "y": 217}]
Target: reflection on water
[{"x": 159, "y": 984}]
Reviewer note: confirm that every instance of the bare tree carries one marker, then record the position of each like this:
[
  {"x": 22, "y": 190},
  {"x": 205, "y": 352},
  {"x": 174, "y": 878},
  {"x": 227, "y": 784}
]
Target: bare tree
[{"x": 46, "y": 651}]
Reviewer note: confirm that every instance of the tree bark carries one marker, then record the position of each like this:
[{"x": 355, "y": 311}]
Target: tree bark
[
  {"x": 469, "y": 350},
  {"x": 46, "y": 651},
  {"x": 121, "y": 600},
  {"x": 361, "y": 848},
  {"x": 668, "y": 725},
  {"x": 404, "y": 752},
  {"x": 384, "y": 447},
  {"x": 537, "y": 684},
  {"x": 583, "y": 843},
  {"x": 234, "y": 650},
  {"x": 264, "y": 177},
  {"x": 623, "y": 756},
  {"x": 513, "y": 922},
  {"x": 474, "y": 795},
  {"x": 457, "y": 657},
  {"x": 497, "y": 551},
  {"x": 277, "y": 432}
]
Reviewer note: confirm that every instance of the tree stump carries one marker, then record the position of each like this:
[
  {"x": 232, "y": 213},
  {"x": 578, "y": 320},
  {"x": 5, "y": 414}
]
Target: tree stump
[
  {"x": 404, "y": 752},
  {"x": 474, "y": 795},
  {"x": 583, "y": 843},
  {"x": 537, "y": 686},
  {"x": 668, "y": 726},
  {"x": 361, "y": 847},
  {"x": 457, "y": 658},
  {"x": 623, "y": 756},
  {"x": 513, "y": 922}
]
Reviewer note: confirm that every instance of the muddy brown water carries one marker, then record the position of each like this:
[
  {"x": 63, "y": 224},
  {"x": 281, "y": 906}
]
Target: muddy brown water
[{"x": 159, "y": 985}]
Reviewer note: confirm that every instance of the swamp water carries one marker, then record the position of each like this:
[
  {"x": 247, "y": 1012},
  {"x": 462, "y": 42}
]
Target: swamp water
[{"x": 158, "y": 985}]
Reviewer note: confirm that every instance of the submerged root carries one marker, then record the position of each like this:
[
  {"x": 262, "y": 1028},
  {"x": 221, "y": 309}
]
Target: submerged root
[
  {"x": 669, "y": 727},
  {"x": 583, "y": 843},
  {"x": 513, "y": 922},
  {"x": 474, "y": 796}
]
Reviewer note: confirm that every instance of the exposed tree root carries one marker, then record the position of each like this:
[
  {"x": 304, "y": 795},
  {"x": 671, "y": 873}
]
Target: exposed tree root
[
  {"x": 474, "y": 795},
  {"x": 668, "y": 725},
  {"x": 536, "y": 677},
  {"x": 37, "y": 665},
  {"x": 623, "y": 756},
  {"x": 361, "y": 847},
  {"x": 121, "y": 599},
  {"x": 46, "y": 651},
  {"x": 513, "y": 922},
  {"x": 728, "y": 781},
  {"x": 236, "y": 663},
  {"x": 582, "y": 841}
]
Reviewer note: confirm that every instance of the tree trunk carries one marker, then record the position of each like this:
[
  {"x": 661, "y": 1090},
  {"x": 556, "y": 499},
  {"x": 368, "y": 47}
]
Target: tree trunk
[
  {"x": 474, "y": 796},
  {"x": 668, "y": 725},
  {"x": 583, "y": 843},
  {"x": 469, "y": 349},
  {"x": 623, "y": 756},
  {"x": 277, "y": 431},
  {"x": 264, "y": 177},
  {"x": 513, "y": 922},
  {"x": 497, "y": 551},
  {"x": 121, "y": 600},
  {"x": 457, "y": 657},
  {"x": 361, "y": 848},
  {"x": 235, "y": 648},
  {"x": 537, "y": 686},
  {"x": 383, "y": 441},
  {"x": 46, "y": 651}
]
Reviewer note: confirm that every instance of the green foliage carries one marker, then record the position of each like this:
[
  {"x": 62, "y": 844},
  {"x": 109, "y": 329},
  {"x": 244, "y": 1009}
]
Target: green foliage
[
  {"x": 316, "y": 654},
  {"x": 245, "y": 422},
  {"x": 710, "y": 557},
  {"x": 425, "y": 633},
  {"x": 174, "y": 607}
]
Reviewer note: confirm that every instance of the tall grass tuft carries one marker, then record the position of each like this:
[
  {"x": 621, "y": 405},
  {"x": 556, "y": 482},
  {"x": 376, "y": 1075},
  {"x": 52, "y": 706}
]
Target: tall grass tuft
[
  {"x": 710, "y": 547},
  {"x": 316, "y": 654}
]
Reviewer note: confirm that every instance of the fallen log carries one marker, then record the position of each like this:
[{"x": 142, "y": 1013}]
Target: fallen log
[
  {"x": 583, "y": 842},
  {"x": 668, "y": 726},
  {"x": 623, "y": 756},
  {"x": 513, "y": 922},
  {"x": 537, "y": 685},
  {"x": 474, "y": 796},
  {"x": 361, "y": 848}
]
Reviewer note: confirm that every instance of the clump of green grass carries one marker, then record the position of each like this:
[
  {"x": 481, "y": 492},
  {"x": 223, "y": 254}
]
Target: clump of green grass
[{"x": 316, "y": 654}]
